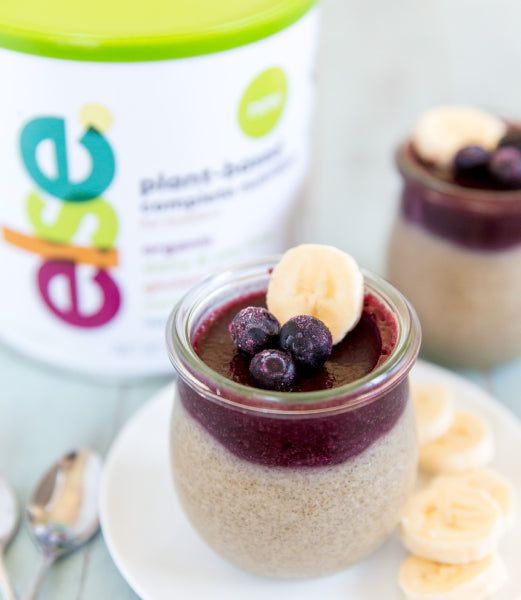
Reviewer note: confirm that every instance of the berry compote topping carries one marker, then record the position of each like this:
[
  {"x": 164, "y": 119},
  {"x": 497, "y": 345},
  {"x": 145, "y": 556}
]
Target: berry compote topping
[
  {"x": 363, "y": 348},
  {"x": 283, "y": 440}
]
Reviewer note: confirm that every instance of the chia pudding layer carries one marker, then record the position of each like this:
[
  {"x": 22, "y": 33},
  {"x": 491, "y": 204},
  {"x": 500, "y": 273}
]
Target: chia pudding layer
[
  {"x": 455, "y": 252},
  {"x": 308, "y": 489},
  {"x": 292, "y": 522}
]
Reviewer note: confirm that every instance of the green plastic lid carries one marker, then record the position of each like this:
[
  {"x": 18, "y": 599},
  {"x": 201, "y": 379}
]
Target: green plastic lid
[{"x": 131, "y": 30}]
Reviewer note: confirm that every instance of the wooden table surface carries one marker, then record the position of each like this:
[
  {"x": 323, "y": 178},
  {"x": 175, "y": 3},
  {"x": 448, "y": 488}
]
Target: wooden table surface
[{"x": 381, "y": 65}]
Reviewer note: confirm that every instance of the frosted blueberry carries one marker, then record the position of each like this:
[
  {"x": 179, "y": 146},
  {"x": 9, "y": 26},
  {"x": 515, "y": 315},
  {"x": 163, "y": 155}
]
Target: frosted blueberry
[
  {"x": 307, "y": 339},
  {"x": 273, "y": 370},
  {"x": 253, "y": 328}
]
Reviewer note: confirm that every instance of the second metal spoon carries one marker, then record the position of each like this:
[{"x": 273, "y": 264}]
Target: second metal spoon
[{"x": 63, "y": 512}]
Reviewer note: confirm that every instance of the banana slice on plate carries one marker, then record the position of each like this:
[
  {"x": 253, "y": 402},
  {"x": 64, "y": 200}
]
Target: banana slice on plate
[
  {"x": 321, "y": 281},
  {"x": 495, "y": 484},
  {"x": 434, "y": 410},
  {"x": 452, "y": 522},
  {"x": 444, "y": 130},
  {"x": 422, "y": 579},
  {"x": 468, "y": 444}
]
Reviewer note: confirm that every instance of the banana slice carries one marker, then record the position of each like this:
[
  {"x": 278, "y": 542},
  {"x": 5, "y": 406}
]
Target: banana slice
[
  {"x": 444, "y": 130},
  {"x": 321, "y": 281},
  {"x": 468, "y": 444},
  {"x": 451, "y": 522},
  {"x": 434, "y": 410},
  {"x": 499, "y": 488},
  {"x": 422, "y": 579}
]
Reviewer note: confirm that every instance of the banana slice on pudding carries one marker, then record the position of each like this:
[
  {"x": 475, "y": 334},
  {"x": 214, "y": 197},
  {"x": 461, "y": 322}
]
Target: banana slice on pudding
[
  {"x": 452, "y": 522},
  {"x": 321, "y": 281},
  {"x": 467, "y": 444},
  {"x": 444, "y": 130},
  {"x": 495, "y": 484},
  {"x": 422, "y": 579},
  {"x": 434, "y": 410}
]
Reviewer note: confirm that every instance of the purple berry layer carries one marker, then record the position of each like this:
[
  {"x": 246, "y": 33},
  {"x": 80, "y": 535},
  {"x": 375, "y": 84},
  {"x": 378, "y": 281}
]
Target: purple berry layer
[
  {"x": 300, "y": 441},
  {"x": 479, "y": 219}
]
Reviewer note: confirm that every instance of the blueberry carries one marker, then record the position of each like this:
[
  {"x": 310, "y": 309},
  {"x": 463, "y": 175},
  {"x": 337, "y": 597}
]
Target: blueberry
[
  {"x": 307, "y": 339},
  {"x": 253, "y": 328},
  {"x": 511, "y": 138},
  {"x": 471, "y": 161},
  {"x": 273, "y": 370},
  {"x": 505, "y": 166}
]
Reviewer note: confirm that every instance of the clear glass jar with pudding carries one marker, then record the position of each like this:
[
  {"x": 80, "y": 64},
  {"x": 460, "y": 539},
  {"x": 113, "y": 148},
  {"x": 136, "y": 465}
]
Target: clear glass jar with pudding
[
  {"x": 455, "y": 252},
  {"x": 299, "y": 483}
]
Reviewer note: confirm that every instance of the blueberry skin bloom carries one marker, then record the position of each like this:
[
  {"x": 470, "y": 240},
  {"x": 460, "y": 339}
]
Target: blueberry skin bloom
[
  {"x": 252, "y": 329},
  {"x": 308, "y": 341},
  {"x": 273, "y": 370}
]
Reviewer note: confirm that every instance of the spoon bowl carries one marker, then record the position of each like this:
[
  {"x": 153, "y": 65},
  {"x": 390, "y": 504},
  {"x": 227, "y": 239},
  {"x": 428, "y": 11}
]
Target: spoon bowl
[{"x": 63, "y": 512}]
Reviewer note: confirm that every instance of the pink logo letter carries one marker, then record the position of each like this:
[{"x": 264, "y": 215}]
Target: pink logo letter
[{"x": 72, "y": 315}]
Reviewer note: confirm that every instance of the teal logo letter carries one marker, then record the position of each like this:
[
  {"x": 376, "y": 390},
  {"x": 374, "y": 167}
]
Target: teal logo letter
[{"x": 53, "y": 129}]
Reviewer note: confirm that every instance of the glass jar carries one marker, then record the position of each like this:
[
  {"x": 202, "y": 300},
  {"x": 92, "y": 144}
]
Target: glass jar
[
  {"x": 455, "y": 252},
  {"x": 291, "y": 484}
]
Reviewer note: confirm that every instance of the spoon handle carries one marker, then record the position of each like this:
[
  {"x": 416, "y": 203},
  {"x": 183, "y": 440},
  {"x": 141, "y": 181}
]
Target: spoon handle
[
  {"x": 6, "y": 588},
  {"x": 37, "y": 581}
]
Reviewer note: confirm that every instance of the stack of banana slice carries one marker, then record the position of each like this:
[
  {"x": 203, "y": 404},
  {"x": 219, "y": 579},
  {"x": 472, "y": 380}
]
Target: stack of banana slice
[{"x": 454, "y": 524}]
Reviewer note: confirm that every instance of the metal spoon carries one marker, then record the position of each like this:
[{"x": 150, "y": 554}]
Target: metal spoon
[
  {"x": 9, "y": 516},
  {"x": 63, "y": 512}
]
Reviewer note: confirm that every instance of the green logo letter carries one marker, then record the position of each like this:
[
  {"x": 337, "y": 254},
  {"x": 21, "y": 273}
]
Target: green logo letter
[{"x": 69, "y": 219}]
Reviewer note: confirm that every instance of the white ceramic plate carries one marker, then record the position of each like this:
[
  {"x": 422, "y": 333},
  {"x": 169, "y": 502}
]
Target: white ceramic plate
[{"x": 162, "y": 558}]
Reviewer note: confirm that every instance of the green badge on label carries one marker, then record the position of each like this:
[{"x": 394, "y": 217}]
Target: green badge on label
[{"x": 263, "y": 102}]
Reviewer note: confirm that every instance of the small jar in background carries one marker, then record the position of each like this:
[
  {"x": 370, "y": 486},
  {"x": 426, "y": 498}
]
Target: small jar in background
[{"x": 455, "y": 252}]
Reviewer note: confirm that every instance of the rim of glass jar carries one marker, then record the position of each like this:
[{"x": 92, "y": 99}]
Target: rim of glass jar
[
  {"x": 491, "y": 201},
  {"x": 354, "y": 394}
]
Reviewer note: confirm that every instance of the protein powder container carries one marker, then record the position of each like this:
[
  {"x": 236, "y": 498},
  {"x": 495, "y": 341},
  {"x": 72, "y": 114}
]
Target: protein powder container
[{"x": 143, "y": 146}]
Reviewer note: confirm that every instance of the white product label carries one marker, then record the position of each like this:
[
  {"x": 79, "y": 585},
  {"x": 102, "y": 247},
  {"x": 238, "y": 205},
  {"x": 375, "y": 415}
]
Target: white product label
[{"x": 125, "y": 183}]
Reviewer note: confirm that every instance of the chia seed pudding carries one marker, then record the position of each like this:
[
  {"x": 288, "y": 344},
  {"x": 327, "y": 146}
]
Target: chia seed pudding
[
  {"x": 300, "y": 483},
  {"x": 455, "y": 252}
]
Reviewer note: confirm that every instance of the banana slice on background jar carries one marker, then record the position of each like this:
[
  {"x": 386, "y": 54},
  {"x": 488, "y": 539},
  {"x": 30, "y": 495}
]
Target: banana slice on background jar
[{"x": 443, "y": 130}]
